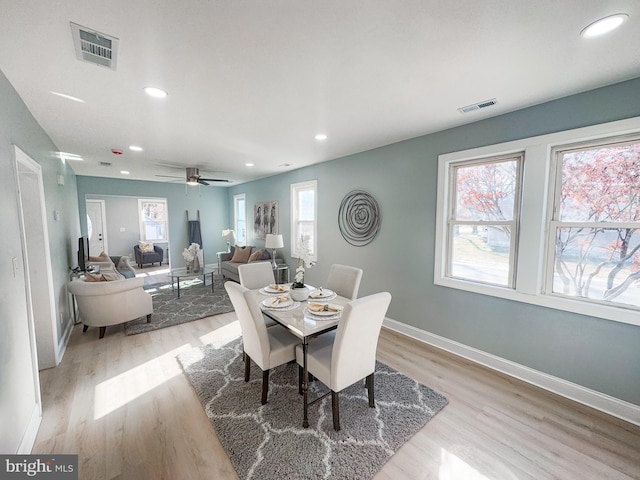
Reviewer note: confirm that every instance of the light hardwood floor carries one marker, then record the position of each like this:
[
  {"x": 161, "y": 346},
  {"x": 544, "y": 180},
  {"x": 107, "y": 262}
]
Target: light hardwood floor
[{"x": 124, "y": 405}]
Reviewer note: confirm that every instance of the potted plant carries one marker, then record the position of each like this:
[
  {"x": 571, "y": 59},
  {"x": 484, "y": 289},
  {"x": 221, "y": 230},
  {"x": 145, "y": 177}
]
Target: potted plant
[{"x": 299, "y": 291}]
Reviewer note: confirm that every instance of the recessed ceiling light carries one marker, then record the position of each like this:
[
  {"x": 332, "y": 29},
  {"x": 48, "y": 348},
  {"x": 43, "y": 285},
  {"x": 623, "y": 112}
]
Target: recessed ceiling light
[
  {"x": 248, "y": 164},
  {"x": 124, "y": 172},
  {"x": 68, "y": 97},
  {"x": 135, "y": 148},
  {"x": 604, "y": 25},
  {"x": 321, "y": 136},
  {"x": 155, "y": 92}
]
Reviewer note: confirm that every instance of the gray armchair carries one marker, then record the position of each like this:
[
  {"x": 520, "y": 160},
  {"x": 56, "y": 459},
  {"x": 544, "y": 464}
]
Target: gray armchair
[{"x": 148, "y": 257}]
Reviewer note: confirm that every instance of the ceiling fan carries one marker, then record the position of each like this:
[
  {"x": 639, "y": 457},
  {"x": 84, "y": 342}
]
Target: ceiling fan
[{"x": 194, "y": 178}]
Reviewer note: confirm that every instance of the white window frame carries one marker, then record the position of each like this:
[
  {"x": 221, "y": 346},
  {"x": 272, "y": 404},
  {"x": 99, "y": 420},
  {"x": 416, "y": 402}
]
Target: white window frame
[
  {"x": 539, "y": 170},
  {"x": 513, "y": 223},
  {"x": 236, "y": 200},
  {"x": 296, "y": 189},
  {"x": 141, "y": 224},
  {"x": 554, "y": 206}
]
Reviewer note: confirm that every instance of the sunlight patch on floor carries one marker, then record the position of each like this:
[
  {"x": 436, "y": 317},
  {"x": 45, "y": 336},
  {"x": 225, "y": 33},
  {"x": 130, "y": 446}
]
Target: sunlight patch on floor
[
  {"x": 222, "y": 335},
  {"x": 454, "y": 468},
  {"x": 127, "y": 386}
]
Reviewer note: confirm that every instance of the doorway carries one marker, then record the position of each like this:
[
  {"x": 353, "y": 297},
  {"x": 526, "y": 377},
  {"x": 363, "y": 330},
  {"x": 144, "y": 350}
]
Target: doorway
[
  {"x": 37, "y": 260},
  {"x": 97, "y": 227}
]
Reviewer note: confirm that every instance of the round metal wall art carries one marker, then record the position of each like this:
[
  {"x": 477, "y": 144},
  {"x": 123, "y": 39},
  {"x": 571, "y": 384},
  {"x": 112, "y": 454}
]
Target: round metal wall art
[{"x": 359, "y": 218}]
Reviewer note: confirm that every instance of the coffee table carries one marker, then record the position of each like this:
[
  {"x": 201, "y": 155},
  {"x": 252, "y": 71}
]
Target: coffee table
[{"x": 183, "y": 273}]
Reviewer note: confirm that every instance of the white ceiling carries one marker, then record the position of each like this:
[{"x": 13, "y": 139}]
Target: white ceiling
[{"x": 255, "y": 81}]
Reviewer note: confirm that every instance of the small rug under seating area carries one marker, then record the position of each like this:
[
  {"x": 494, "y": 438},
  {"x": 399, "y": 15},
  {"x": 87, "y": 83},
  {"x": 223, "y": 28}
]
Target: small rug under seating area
[
  {"x": 196, "y": 301},
  {"x": 268, "y": 441}
]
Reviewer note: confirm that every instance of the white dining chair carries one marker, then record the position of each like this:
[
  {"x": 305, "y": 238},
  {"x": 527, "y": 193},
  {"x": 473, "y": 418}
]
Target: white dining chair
[
  {"x": 346, "y": 358},
  {"x": 267, "y": 347},
  {"x": 344, "y": 280},
  {"x": 256, "y": 275}
]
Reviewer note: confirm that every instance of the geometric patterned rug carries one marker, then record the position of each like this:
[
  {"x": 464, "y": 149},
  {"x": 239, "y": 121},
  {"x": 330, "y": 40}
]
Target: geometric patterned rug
[
  {"x": 196, "y": 301},
  {"x": 268, "y": 441}
]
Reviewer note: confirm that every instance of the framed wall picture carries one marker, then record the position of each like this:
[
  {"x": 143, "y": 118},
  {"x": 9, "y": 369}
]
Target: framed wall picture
[{"x": 265, "y": 219}]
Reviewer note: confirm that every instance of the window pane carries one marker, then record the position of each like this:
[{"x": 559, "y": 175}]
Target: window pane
[
  {"x": 601, "y": 184},
  {"x": 481, "y": 253},
  {"x": 486, "y": 192},
  {"x": 306, "y": 228},
  {"x": 306, "y": 205},
  {"x": 598, "y": 263}
]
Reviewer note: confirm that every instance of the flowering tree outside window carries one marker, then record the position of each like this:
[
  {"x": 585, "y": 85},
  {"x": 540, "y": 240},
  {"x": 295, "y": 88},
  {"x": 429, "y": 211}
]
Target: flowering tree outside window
[
  {"x": 483, "y": 220},
  {"x": 596, "y": 223}
]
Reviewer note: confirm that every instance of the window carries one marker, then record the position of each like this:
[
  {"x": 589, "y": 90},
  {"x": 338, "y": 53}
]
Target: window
[
  {"x": 594, "y": 234},
  {"x": 152, "y": 214},
  {"x": 482, "y": 231},
  {"x": 552, "y": 220},
  {"x": 240, "y": 218},
  {"x": 303, "y": 216}
]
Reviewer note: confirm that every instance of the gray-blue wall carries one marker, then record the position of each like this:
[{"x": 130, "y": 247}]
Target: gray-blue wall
[{"x": 599, "y": 354}]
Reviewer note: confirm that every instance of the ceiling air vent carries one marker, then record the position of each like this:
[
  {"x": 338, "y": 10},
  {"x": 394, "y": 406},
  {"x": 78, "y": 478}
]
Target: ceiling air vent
[
  {"x": 478, "y": 106},
  {"x": 94, "y": 47}
]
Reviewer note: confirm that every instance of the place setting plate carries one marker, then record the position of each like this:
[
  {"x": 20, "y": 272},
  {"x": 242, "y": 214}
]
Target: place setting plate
[
  {"x": 322, "y": 295},
  {"x": 275, "y": 289},
  {"x": 272, "y": 303},
  {"x": 329, "y": 311}
]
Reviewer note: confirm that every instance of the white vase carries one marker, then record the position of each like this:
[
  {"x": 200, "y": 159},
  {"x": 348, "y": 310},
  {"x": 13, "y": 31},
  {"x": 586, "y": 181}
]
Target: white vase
[{"x": 299, "y": 294}]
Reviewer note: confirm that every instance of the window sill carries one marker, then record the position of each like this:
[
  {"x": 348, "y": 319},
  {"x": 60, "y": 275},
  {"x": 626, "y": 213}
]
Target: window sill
[{"x": 616, "y": 314}]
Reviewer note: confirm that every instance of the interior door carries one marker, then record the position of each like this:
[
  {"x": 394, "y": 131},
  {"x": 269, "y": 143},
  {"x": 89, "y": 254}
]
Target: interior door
[{"x": 97, "y": 227}]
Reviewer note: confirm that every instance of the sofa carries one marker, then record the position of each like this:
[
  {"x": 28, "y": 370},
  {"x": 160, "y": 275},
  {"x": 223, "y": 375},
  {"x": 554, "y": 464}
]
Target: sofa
[
  {"x": 105, "y": 303},
  {"x": 143, "y": 258},
  {"x": 230, "y": 261},
  {"x": 119, "y": 263}
]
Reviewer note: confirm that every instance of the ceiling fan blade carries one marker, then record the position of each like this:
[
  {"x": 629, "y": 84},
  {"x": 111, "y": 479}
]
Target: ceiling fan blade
[
  {"x": 215, "y": 179},
  {"x": 202, "y": 182}
]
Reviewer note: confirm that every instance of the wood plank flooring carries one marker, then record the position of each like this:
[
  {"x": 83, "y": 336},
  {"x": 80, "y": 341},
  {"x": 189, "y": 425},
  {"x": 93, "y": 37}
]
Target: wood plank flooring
[{"x": 124, "y": 405}]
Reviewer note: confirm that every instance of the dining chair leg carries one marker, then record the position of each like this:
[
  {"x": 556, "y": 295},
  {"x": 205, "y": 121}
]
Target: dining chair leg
[
  {"x": 369, "y": 382},
  {"x": 265, "y": 386},
  {"x": 102, "y": 330},
  {"x": 247, "y": 367},
  {"x": 335, "y": 410}
]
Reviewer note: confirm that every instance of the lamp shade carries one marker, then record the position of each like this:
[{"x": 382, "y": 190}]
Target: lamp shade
[
  {"x": 229, "y": 236},
  {"x": 273, "y": 241}
]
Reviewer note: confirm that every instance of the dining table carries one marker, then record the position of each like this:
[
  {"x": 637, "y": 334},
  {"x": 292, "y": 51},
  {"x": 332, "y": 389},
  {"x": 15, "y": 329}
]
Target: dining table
[{"x": 304, "y": 324}]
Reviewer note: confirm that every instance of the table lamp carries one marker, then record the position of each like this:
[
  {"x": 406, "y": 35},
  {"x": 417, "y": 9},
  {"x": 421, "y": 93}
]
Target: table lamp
[
  {"x": 273, "y": 242},
  {"x": 229, "y": 236}
]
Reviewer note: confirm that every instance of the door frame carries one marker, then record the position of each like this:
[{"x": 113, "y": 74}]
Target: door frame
[{"x": 103, "y": 215}]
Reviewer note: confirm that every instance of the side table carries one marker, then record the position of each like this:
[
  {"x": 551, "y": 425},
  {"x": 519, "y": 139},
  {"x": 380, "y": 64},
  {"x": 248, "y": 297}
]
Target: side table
[{"x": 279, "y": 273}]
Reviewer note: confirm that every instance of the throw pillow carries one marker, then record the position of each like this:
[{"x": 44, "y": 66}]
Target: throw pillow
[
  {"x": 256, "y": 255},
  {"x": 93, "y": 277},
  {"x": 103, "y": 257},
  {"x": 241, "y": 254},
  {"x": 146, "y": 247}
]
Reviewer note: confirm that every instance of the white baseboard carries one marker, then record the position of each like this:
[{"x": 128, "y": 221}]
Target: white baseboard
[
  {"x": 29, "y": 437},
  {"x": 600, "y": 401}
]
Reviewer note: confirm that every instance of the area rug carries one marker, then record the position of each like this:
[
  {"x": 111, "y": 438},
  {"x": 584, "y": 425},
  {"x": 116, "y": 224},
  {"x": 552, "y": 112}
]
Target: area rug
[
  {"x": 196, "y": 301},
  {"x": 268, "y": 441}
]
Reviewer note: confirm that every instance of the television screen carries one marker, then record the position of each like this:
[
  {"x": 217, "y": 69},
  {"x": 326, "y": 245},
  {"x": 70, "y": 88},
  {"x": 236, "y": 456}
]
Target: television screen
[{"x": 83, "y": 253}]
